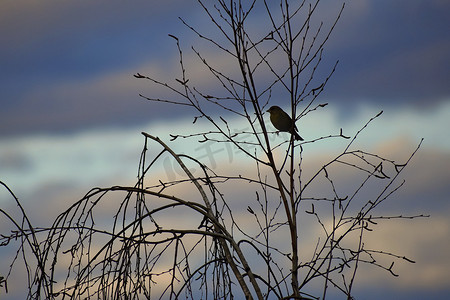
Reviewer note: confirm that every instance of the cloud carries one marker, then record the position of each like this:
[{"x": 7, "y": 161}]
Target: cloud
[
  {"x": 49, "y": 172},
  {"x": 391, "y": 52},
  {"x": 75, "y": 75},
  {"x": 96, "y": 149},
  {"x": 422, "y": 240},
  {"x": 50, "y": 50}
]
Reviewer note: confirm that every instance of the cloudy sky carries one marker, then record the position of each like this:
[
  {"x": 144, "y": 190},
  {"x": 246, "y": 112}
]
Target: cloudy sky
[{"x": 71, "y": 115}]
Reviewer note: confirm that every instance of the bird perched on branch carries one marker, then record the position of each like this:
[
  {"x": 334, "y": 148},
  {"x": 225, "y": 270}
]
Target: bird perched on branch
[{"x": 283, "y": 122}]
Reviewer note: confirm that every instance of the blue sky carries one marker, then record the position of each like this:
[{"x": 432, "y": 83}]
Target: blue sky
[{"x": 67, "y": 90}]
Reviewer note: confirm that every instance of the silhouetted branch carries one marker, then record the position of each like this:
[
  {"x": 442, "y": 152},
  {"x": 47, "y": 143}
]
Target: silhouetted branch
[{"x": 198, "y": 235}]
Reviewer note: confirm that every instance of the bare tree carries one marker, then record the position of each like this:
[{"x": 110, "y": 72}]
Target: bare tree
[{"x": 147, "y": 247}]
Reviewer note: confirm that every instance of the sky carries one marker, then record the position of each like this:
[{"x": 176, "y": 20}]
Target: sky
[{"x": 71, "y": 115}]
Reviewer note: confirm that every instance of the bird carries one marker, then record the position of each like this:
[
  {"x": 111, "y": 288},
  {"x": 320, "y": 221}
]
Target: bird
[{"x": 283, "y": 122}]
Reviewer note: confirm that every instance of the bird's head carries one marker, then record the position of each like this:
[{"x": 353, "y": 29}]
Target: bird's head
[{"x": 274, "y": 109}]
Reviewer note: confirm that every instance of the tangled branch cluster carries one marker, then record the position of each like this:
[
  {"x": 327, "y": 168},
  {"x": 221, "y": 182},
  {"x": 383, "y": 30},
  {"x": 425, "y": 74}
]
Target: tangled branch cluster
[{"x": 184, "y": 238}]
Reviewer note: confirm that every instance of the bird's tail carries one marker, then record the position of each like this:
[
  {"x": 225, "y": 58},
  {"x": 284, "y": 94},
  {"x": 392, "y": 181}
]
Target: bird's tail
[{"x": 297, "y": 137}]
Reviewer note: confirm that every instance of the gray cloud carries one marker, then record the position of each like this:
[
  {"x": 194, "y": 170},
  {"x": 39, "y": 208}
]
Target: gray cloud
[
  {"x": 73, "y": 164},
  {"x": 392, "y": 50},
  {"x": 387, "y": 50}
]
